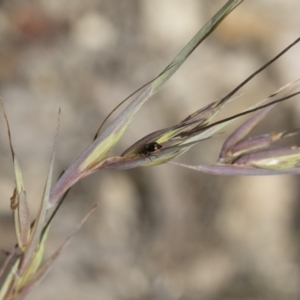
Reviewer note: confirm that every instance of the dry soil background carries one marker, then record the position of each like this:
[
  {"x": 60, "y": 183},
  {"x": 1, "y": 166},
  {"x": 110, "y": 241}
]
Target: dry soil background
[{"x": 162, "y": 232}]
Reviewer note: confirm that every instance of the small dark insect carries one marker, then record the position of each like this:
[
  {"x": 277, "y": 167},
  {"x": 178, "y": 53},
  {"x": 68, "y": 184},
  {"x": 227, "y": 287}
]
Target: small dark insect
[{"x": 148, "y": 149}]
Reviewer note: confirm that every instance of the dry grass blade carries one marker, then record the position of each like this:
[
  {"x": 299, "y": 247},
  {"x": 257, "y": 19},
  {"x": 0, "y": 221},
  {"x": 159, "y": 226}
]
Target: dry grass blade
[
  {"x": 235, "y": 170},
  {"x": 249, "y": 125},
  {"x": 40, "y": 220},
  {"x": 19, "y": 202},
  {"x": 24, "y": 219},
  {"x": 7, "y": 261},
  {"x": 170, "y": 150},
  {"x": 256, "y": 155},
  {"x": 196, "y": 128},
  {"x": 184, "y": 53},
  {"x": 45, "y": 268},
  {"x": 96, "y": 152}
]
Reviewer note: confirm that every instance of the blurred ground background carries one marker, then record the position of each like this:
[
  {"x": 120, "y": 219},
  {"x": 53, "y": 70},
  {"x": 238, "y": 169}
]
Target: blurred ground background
[{"x": 163, "y": 232}]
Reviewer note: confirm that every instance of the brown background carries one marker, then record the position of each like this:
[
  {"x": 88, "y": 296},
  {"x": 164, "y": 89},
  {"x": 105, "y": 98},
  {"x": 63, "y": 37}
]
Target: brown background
[{"x": 162, "y": 232}]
